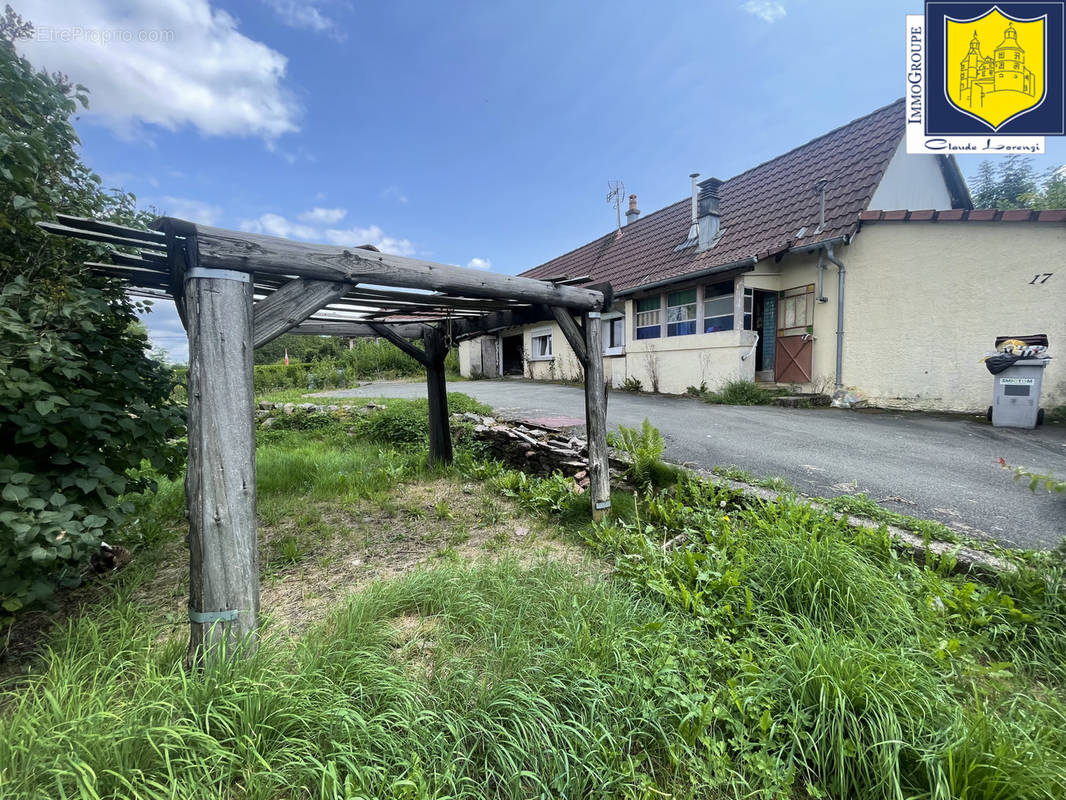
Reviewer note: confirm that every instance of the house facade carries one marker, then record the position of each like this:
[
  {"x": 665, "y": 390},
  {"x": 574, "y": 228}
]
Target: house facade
[{"x": 843, "y": 263}]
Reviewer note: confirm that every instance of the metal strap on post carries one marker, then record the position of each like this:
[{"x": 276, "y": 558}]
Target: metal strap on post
[
  {"x": 209, "y": 617},
  {"x": 218, "y": 274}
]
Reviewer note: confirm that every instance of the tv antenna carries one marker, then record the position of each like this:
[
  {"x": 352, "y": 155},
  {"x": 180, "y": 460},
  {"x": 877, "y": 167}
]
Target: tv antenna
[{"x": 616, "y": 190}]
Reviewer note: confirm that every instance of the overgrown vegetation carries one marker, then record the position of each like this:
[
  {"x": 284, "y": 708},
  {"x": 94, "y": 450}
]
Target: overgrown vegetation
[
  {"x": 737, "y": 393},
  {"x": 644, "y": 450},
  {"x": 81, "y": 404},
  {"x": 737, "y": 649},
  {"x": 368, "y": 359}
]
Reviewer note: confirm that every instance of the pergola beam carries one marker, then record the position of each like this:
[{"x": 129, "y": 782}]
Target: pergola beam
[
  {"x": 313, "y": 327},
  {"x": 248, "y": 252},
  {"x": 292, "y": 304},
  {"x": 386, "y": 332},
  {"x": 573, "y": 333}
]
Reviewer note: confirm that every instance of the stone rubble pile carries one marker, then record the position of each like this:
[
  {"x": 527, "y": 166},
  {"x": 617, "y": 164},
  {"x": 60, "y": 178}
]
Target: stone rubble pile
[{"x": 266, "y": 412}]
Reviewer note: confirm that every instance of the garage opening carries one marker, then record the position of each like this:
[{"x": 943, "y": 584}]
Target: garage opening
[{"x": 512, "y": 354}]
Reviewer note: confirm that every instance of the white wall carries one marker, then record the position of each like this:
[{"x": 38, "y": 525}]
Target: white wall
[
  {"x": 912, "y": 181},
  {"x": 925, "y": 300}
]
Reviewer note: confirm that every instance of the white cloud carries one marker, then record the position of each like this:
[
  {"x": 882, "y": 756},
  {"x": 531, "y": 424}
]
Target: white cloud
[
  {"x": 479, "y": 263},
  {"x": 191, "y": 210},
  {"x": 169, "y": 63},
  {"x": 766, "y": 10},
  {"x": 277, "y": 225},
  {"x": 323, "y": 216},
  {"x": 394, "y": 193},
  {"x": 353, "y": 237},
  {"x": 304, "y": 15}
]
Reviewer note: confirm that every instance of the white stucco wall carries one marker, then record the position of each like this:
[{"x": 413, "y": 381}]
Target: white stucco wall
[
  {"x": 674, "y": 363},
  {"x": 925, "y": 300},
  {"x": 912, "y": 181}
]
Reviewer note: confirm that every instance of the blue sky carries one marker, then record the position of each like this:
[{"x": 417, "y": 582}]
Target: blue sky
[{"x": 479, "y": 133}]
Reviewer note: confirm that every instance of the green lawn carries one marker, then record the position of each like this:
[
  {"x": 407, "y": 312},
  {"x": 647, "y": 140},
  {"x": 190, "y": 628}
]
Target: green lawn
[{"x": 698, "y": 645}]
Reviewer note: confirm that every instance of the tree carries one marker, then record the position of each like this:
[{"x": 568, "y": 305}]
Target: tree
[
  {"x": 81, "y": 404},
  {"x": 1013, "y": 182}
]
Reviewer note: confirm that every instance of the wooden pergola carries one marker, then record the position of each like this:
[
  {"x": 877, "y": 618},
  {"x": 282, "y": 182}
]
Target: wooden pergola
[{"x": 236, "y": 291}]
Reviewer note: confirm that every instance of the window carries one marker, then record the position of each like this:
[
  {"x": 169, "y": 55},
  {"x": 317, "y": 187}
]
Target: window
[
  {"x": 796, "y": 311},
  {"x": 648, "y": 324},
  {"x": 718, "y": 307},
  {"x": 614, "y": 335},
  {"x": 681, "y": 313},
  {"x": 540, "y": 342}
]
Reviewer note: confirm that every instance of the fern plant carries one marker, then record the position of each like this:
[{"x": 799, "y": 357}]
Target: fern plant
[{"x": 644, "y": 447}]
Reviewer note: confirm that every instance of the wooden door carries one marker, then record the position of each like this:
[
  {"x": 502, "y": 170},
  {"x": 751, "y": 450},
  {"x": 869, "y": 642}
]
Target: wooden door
[{"x": 793, "y": 358}]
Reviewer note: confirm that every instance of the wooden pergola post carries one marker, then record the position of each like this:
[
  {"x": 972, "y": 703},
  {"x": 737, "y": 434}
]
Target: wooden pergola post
[
  {"x": 440, "y": 432},
  {"x": 596, "y": 417},
  {"x": 220, "y": 480},
  {"x": 587, "y": 345}
]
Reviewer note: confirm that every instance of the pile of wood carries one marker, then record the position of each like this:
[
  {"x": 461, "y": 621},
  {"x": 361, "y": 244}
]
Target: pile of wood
[{"x": 535, "y": 449}]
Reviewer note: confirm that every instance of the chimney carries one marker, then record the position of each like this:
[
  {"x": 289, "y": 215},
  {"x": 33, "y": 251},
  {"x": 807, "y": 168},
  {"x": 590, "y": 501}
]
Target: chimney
[
  {"x": 709, "y": 219},
  {"x": 694, "y": 229},
  {"x": 634, "y": 213}
]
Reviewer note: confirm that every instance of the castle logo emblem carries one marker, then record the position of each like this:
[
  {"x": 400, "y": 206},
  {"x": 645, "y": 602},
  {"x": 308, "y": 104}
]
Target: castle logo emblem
[{"x": 995, "y": 66}]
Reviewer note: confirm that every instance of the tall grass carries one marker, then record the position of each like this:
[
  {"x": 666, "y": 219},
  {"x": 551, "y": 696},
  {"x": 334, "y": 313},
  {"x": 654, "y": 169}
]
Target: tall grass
[
  {"x": 518, "y": 682},
  {"x": 738, "y": 649},
  {"x": 861, "y": 673}
]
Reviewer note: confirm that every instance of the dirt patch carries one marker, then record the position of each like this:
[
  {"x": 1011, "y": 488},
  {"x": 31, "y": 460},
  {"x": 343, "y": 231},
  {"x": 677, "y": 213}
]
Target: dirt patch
[{"x": 307, "y": 572}]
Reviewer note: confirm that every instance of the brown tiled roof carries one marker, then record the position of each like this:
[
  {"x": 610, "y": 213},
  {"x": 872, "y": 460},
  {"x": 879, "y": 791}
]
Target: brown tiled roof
[
  {"x": 962, "y": 215},
  {"x": 762, "y": 210}
]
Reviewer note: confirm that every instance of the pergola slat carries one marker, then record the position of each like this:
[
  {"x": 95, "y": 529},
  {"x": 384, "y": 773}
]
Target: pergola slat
[{"x": 102, "y": 238}]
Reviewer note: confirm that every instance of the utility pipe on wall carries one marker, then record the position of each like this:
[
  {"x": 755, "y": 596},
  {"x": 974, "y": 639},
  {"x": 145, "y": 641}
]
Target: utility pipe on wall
[
  {"x": 840, "y": 313},
  {"x": 745, "y": 356}
]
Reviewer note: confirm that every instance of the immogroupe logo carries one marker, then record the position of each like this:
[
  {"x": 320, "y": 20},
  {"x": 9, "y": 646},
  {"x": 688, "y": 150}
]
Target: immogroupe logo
[{"x": 994, "y": 68}]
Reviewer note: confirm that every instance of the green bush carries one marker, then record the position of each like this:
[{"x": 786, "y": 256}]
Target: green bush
[
  {"x": 740, "y": 393},
  {"x": 406, "y": 422},
  {"x": 81, "y": 404}
]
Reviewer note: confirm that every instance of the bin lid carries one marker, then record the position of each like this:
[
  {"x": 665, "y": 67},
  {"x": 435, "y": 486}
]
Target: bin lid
[{"x": 1031, "y": 339}]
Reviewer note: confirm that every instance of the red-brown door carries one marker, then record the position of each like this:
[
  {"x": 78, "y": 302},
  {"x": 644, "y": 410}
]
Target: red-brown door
[{"x": 793, "y": 358}]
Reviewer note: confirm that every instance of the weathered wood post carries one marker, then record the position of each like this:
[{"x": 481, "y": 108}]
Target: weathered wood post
[
  {"x": 220, "y": 481},
  {"x": 440, "y": 432},
  {"x": 596, "y": 417}
]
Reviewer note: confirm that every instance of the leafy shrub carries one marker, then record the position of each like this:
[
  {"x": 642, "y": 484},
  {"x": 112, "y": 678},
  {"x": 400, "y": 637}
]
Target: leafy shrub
[
  {"x": 632, "y": 385},
  {"x": 697, "y": 391},
  {"x": 406, "y": 422},
  {"x": 81, "y": 405},
  {"x": 740, "y": 393},
  {"x": 644, "y": 449}
]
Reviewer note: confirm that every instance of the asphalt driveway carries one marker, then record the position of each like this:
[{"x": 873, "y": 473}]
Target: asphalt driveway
[{"x": 930, "y": 466}]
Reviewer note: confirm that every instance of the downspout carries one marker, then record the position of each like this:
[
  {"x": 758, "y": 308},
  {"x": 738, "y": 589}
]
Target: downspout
[{"x": 840, "y": 313}]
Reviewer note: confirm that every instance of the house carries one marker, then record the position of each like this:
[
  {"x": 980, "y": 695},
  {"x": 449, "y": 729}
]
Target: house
[{"x": 845, "y": 262}]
